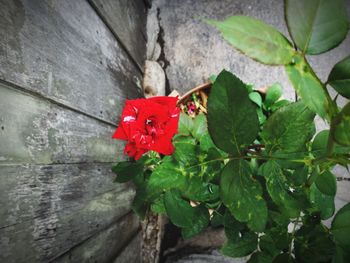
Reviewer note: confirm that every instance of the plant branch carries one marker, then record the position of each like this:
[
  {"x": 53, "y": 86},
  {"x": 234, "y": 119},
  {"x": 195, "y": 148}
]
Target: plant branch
[
  {"x": 256, "y": 146},
  {"x": 293, "y": 236}
]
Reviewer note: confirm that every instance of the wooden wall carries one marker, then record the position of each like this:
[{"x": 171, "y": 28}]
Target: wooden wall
[{"x": 66, "y": 68}]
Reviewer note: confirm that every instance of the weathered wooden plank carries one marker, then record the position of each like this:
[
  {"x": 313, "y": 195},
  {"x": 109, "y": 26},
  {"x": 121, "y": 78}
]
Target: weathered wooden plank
[
  {"x": 47, "y": 210},
  {"x": 33, "y": 130},
  {"x": 64, "y": 51},
  {"x": 127, "y": 19},
  {"x": 105, "y": 246},
  {"x": 132, "y": 252}
]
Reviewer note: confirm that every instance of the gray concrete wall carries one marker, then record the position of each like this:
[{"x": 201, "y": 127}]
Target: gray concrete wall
[{"x": 66, "y": 68}]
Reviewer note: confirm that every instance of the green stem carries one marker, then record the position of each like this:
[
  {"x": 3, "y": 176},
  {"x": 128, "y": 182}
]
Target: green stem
[
  {"x": 330, "y": 145},
  {"x": 259, "y": 157}
]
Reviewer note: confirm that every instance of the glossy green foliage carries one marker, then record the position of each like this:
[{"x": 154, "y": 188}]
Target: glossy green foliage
[
  {"x": 316, "y": 26},
  {"x": 289, "y": 129},
  {"x": 242, "y": 194},
  {"x": 308, "y": 86},
  {"x": 191, "y": 219},
  {"x": 341, "y": 126},
  {"x": 256, "y": 39},
  {"x": 341, "y": 227},
  {"x": 232, "y": 118},
  {"x": 339, "y": 78}
]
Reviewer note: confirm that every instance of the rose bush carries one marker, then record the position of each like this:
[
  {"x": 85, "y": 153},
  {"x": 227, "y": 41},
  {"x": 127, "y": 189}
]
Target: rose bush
[
  {"x": 254, "y": 164},
  {"x": 148, "y": 124}
]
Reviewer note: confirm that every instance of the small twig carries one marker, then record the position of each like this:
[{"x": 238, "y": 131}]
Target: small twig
[
  {"x": 256, "y": 146},
  {"x": 250, "y": 151}
]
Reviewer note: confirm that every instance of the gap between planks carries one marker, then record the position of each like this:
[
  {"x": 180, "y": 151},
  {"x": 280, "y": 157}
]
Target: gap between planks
[
  {"x": 118, "y": 220},
  {"x": 60, "y": 104},
  {"x": 104, "y": 20}
]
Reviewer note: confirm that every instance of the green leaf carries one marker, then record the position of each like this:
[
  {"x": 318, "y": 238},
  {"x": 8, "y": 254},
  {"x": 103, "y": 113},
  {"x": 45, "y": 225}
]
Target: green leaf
[
  {"x": 256, "y": 98},
  {"x": 279, "y": 104},
  {"x": 341, "y": 227},
  {"x": 326, "y": 183},
  {"x": 273, "y": 93},
  {"x": 256, "y": 39},
  {"x": 217, "y": 219},
  {"x": 179, "y": 211},
  {"x": 192, "y": 219},
  {"x": 243, "y": 195},
  {"x": 341, "y": 126},
  {"x": 299, "y": 176},
  {"x": 274, "y": 240},
  {"x": 259, "y": 257},
  {"x": 212, "y": 164},
  {"x": 199, "y": 223},
  {"x": 289, "y": 128},
  {"x": 339, "y": 78},
  {"x": 166, "y": 176},
  {"x": 241, "y": 245},
  {"x": 232, "y": 118},
  {"x": 127, "y": 170},
  {"x": 200, "y": 126},
  {"x": 308, "y": 86},
  {"x": 197, "y": 190},
  {"x": 279, "y": 189},
  {"x": 317, "y": 25},
  {"x": 341, "y": 256},
  {"x": 319, "y": 144},
  {"x": 313, "y": 244},
  {"x": 186, "y": 151},
  {"x": 322, "y": 203},
  {"x": 232, "y": 226},
  {"x": 261, "y": 116},
  {"x": 206, "y": 142},
  {"x": 212, "y": 78},
  {"x": 158, "y": 206},
  {"x": 140, "y": 204},
  {"x": 185, "y": 125}
]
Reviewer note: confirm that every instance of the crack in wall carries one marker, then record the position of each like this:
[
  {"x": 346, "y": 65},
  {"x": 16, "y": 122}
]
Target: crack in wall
[{"x": 162, "y": 60}]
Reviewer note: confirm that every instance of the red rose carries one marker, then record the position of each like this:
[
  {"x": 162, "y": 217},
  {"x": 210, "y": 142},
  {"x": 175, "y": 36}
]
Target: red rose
[{"x": 148, "y": 124}]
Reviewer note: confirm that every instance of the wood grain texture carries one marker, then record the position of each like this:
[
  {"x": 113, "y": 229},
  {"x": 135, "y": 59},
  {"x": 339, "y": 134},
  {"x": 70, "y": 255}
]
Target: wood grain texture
[
  {"x": 63, "y": 51},
  {"x": 47, "y": 210},
  {"x": 104, "y": 247},
  {"x": 131, "y": 253},
  {"x": 33, "y": 130},
  {"x": 127, "y": 19}
]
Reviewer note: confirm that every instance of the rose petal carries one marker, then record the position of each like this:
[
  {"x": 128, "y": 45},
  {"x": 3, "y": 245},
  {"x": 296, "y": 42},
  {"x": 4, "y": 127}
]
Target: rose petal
[{"x": 120, "y": 134}]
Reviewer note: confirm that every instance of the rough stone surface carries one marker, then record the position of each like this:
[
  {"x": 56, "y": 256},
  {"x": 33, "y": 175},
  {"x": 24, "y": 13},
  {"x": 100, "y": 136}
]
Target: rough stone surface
[
  {"x": 153, "y": 79},
  {"x": 152, "y": 33}
]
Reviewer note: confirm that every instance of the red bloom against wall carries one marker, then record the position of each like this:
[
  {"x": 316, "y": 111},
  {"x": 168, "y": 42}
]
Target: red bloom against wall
[{"x": 148, "y": 124}]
